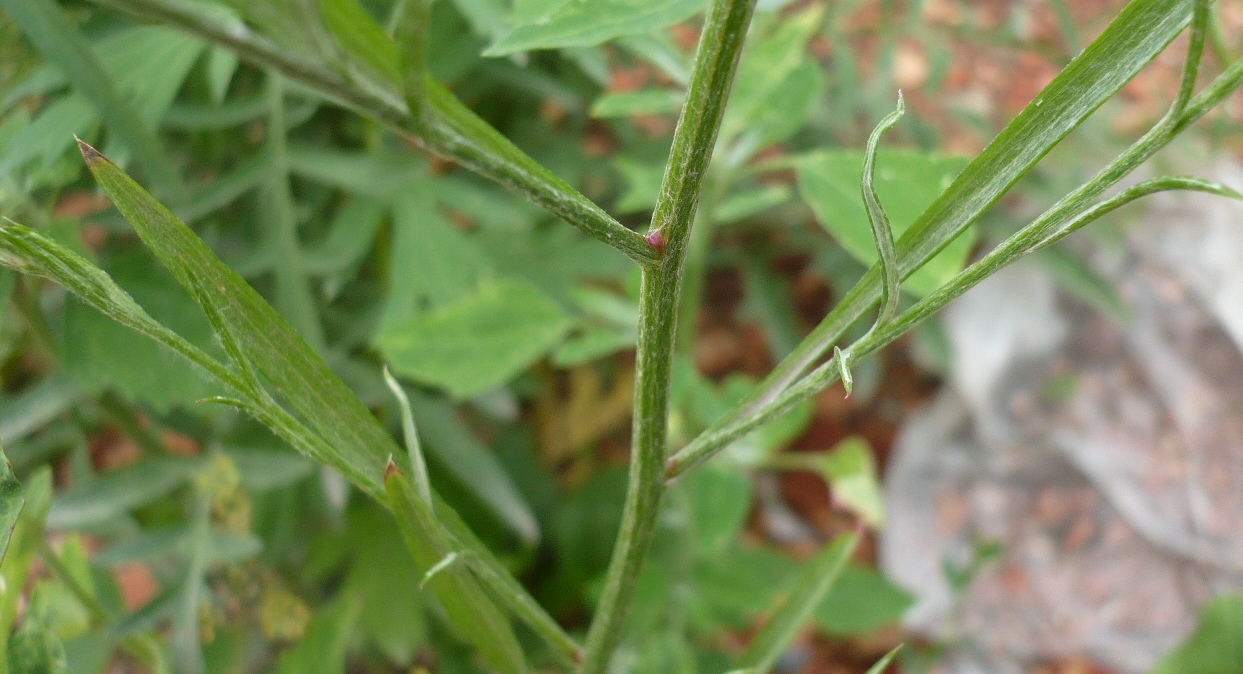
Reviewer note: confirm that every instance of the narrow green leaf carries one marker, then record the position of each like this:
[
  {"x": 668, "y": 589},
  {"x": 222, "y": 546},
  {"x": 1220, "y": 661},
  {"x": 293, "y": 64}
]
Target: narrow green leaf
[
  {"x": 353, "y": 441},
  {"x": 884, "y": 661},
  {"x": 27, "y": 251},
  {"x": 800, "y": 602},
  {"x": 470, "y": 610},
  {"x": 417, "y": 463},
  {"x": 882, "y": 232},
  {"x": 584, "y": 23},
  {"x": 361, "y": 37},
  {"x": 11, "y": 502},
  {"x": 118, "y": 491}
]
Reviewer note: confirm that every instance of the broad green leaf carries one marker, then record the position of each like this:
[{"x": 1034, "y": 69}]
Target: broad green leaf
[
  {"x": 322, "y": 649},
  {"x": 354, "y": 442},
  {"x": 11, "y": 502},
  {"x": 34, "y": 648},
  {"x": 101, "y": 353},
  {"x": 734, "y": 588},
  {"x": 850, "y": 470},
  {"x": 433, "y": 264},
  {"x": 24, "y": 545},
  {"x": 1216, "y": 644},
  {"x": 642, "y": 102},
  {"x": 469, "y": 608},
  {"x": 478, "y": 343},
  {"x": 718, "y": 500},
  {"x": 222, "y": 547},
  {"x": 801, "y": 599},
  {"x": 907, "y": 183},
  {"x": 584, "y": 23},
  {"x": 861, "y": 601}
]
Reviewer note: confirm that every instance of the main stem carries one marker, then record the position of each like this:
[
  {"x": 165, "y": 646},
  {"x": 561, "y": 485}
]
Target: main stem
[{"x": 725, "y": 28}]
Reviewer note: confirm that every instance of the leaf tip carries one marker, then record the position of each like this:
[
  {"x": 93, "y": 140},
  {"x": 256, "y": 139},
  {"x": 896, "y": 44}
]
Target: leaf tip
[
  {"x": 89, "y": 153},
  {"x": 391, "y": 469}
]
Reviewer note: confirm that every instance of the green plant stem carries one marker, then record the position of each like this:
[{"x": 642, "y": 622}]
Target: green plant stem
[
  {"x": 725, "y": 29},
  {"x": 1064, "y": 217},
  {"x": 454, "y": 132},
  {"x": 1130, "y": 42}
]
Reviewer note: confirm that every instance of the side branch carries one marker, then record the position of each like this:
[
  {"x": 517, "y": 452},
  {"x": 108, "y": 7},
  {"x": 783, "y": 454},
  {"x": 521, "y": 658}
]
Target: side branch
[{"x": 457, "y": 133}]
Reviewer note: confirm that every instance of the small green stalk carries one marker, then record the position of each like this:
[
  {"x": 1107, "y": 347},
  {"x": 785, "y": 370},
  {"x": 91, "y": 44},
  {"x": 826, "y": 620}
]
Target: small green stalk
[
  {"x": 725, "y": 29},
  {"x": 1068, "y": 215},
  {"x": 446, "y": 127}
]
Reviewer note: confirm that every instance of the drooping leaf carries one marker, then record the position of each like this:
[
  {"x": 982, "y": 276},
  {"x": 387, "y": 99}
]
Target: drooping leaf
[
  {"x": 907, "y": 183},
  {"x": 478, "y": 343},
  {"x": 584, "y": 23}
]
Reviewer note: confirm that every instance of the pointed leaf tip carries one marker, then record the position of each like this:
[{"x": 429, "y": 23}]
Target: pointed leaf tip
[
  {"x": 391, "y": 469},
  {"x": 89, "y": 153}
]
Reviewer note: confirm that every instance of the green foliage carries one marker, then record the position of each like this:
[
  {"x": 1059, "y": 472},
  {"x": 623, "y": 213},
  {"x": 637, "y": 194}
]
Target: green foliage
[
  {"x": 907, "y": 183},
  {"x": 582, "y": 23},
  {"x": 479, "y": 343},
  {"x": 1216, "y": 644},
  {"x": 500, "y": 320}
]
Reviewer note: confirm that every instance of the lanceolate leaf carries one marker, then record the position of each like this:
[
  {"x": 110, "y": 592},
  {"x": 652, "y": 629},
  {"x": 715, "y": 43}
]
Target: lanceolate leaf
[
  {"x": 355, "y": 442},
  {"x": 470, "y": 609}
]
